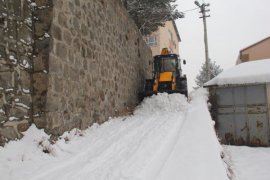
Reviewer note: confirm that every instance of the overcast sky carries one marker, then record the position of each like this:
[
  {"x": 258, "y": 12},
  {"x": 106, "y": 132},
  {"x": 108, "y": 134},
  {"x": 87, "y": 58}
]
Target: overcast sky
[{"x": 233, "y": 25}]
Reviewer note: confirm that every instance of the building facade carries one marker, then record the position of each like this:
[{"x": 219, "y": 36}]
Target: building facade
[
  {"x": 165, "y": 37},
  {"x": 257, "y": 51}
]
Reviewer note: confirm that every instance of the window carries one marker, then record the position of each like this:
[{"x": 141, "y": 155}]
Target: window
[
  {"x": 151, "y": 40},
  {"x": 165, "y": 64},
  {"x": 168, "y": 65}
]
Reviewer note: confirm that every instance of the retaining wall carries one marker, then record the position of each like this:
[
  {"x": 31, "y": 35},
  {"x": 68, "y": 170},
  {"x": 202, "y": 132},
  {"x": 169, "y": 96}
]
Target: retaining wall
[{"x": 67, "y": 64}]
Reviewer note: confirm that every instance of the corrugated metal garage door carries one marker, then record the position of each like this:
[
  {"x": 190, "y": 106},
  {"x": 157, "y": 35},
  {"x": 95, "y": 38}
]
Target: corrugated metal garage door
[{"x": 242, "y": 115}]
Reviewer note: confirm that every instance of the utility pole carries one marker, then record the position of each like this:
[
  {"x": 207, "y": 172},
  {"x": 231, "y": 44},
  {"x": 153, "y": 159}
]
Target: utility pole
[{"x": 204, "y": 16}]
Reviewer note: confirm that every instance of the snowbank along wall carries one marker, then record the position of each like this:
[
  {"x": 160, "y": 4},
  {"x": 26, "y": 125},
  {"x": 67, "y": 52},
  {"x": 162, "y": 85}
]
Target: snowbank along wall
[{"x": 67, "y": 64}]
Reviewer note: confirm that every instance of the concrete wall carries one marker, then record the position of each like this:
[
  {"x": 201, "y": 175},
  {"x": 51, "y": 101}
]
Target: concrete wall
[
  {"x": 86, "y": 61},
  {"x": 258, "y": 51}
]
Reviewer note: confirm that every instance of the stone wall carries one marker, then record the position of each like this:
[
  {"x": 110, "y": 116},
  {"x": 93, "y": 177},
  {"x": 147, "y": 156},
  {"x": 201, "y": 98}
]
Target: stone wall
[
  {"x": 67, "y": 63},
  {"x": 20, "y": 35}
]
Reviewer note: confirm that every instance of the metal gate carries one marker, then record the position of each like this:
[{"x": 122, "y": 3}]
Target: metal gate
[{"x": 243, "y": 115}]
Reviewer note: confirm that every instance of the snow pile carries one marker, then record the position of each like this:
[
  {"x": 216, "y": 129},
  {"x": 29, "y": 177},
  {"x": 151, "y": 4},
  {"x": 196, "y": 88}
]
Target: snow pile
[
  {"x": 166, "y": 138},
  {"x": 250, "y": 163},
  {"x": 30, "y": 147},
  {"x": 162, "y": 102},
  {"x": 244, "y": 73}
]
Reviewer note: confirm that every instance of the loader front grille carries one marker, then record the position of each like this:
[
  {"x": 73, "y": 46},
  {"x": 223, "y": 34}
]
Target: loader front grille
[{"x": 165, "y": 87}]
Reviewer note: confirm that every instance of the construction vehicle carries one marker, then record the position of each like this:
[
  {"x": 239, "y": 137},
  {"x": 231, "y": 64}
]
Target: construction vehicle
[{"x": 167, "y": 75}]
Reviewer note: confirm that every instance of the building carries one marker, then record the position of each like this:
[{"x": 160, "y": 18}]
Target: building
[
  {"x": 257, "y": 51},
  {"x": 165, "y": 37},
  {"x": 240, "y": 99}
]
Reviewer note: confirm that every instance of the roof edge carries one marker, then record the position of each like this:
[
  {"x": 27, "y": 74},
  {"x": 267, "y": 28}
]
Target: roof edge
[
  {"x": 255, "y": 44},
  {"x": 176, "y": 30},
  {"x": 234, "y": 85}
]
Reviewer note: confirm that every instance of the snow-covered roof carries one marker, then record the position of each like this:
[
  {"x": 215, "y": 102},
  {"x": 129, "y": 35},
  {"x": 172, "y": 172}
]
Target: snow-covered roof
[{"x": 253, "y": 72}]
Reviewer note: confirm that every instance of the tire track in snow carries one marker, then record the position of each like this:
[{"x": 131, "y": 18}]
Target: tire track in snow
[
  {"x": 167, "y": 148},
  {"x": 139, "y": 144},
  {"x": 101, "y": 144}
]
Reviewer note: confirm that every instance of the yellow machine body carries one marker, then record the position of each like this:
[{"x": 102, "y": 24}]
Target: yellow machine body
[
  {"x": 164, "y": 77},
  {"x": 167, "y": 75}
]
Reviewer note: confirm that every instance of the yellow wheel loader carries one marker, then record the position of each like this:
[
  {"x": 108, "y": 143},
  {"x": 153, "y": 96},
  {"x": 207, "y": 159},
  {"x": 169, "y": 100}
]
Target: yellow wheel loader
[{"x": 167, "y": 75}]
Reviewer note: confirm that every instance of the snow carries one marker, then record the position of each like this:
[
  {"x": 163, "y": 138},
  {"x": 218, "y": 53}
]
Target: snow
[
  {"x": 33, "y": 4},
  {"x": 46, "y": 35},
  {"x": 245, "y": 73},
  {"x": 9, "y": 89},
  {"x": 26, "y": 91},
  {"x": 22, "y": 105},
  {"x": 166, "y": 138},
  {"x": 2, "y": 111},
  {"x": 25, "y": 64},
  {"x": 249, "y": 163},
  {"x": 197, "y": 151},
  {"x": 12, "y": 118},
  {"x": 11, "y": 57}
]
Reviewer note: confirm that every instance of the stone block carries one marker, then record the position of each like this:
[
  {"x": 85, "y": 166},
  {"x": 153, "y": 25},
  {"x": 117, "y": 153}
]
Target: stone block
[
  {"x": 41, "y": 63},
  {"x": 24, "y": 80},
  {"x": 25, "y": 99},
  {"x": 9, "y": 132},
  {"x": 54, "y": 120},
  {"x": 6, "y": 79},
  {"x": 67, "y": 36},
  {"x": 43, "y": 3},
  {"x": 39, "y": 103},
  {"x": 61, "y": 51},
  {"x": 40, "y": 83},
  {"x": 24, "y": 34},
  {"x": 40, "y": 122},
  {"x": 52, "y": 103},
  {"x": 73, "y": 74},
  {"x": 56, "y": 32},
  {"x": 40, "y": 29},
  {"x": 18, "y": 112},
  {"x": 58, "y": 4},
  {"x": 42, "y": 47},
  {"x": 23, "y": 126},
  {"x": 3, "y": 118},
  {"x": 55, "y": 66},
  {"x": 62, "y": 19},
  {"x": 58, "y": 85}
]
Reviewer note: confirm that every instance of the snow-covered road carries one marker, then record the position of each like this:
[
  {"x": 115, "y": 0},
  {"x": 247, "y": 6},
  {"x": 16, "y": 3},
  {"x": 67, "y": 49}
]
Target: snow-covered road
[
  {"x": 166, "y": 138},
  {"x": 249, "y": 163}
]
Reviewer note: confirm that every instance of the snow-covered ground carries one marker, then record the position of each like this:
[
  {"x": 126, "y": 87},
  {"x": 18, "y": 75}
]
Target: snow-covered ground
[
  {"x": 249, "y": 163},
  {"x": 166, "y": 138}
]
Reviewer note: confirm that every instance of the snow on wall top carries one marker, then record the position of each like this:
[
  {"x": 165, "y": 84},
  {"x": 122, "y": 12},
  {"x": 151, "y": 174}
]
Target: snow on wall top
[{"x": 245, "y": 73}]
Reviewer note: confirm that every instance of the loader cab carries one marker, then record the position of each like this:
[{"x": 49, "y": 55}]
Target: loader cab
[{"x": 167, "y": 63}]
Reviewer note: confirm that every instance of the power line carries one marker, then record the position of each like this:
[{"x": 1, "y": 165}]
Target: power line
[{"x": 190, "y": 10}]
